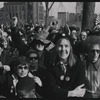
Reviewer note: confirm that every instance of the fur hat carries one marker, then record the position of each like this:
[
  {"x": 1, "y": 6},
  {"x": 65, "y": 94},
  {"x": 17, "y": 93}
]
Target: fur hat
[
  {"x": 61, "y": 35},
  {"x": 40, "y": 38}
]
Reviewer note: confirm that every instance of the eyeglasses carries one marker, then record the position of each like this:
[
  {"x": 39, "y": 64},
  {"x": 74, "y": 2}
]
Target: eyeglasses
[
  {"x": 39, "y": 42},
  {"x": 22, "y": 67},
  {"x": 33, "y": 58},
  {"x": 93, "y": 51}
]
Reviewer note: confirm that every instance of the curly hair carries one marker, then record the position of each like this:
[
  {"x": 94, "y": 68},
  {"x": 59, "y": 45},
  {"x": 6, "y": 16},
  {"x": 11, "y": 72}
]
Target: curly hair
[{"x": 91, "y": 40}]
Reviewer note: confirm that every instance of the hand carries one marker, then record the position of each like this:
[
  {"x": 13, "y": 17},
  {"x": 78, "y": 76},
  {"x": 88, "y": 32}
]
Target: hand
[
  {"x": 14, "y": 21},
  {"x": 6, "y": 67},
  {"x": 0, "y": 64},
  {"x": 38, "y": 81},
  {"x": 30, "y": 75},
  {"x": 77, "y": 92},
  {"x": 1, "y": 96}
]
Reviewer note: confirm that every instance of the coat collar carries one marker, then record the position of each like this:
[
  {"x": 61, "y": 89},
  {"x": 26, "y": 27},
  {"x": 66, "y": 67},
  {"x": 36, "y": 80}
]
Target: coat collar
[{"x": 95, "y": 65}]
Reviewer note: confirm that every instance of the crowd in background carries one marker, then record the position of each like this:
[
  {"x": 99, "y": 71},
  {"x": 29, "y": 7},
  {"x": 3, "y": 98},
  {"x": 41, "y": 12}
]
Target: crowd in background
[{"x": 52, "y": 62}]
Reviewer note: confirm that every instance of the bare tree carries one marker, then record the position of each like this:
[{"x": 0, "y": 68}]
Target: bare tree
[
  {"x": 47, "y": 11},
  {"x": 88, "y": 15}
]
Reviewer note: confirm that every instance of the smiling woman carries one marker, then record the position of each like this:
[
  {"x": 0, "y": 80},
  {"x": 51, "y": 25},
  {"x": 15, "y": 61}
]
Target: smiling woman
[{"x": 65, "y": 74}]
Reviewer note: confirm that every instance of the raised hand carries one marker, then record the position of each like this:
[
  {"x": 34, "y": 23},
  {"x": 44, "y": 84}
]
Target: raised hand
[{"x": 14, "y": 21}]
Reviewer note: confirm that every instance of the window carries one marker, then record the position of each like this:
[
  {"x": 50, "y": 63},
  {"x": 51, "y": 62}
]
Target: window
[
  {"x": 6, "y": 8},
  {"x": 20, "y": 8},
  {"x": 1, "y": 15},
  {"x": 40, "y": 9},
  {"x": 9, "y": 8},
  {"x": 10, "y": 15},
  {"x": 12, "y": 8},
  {"x": 40, "y": 3},
  {"x": 41, "y": 17},
  {"x": 20, "y": 14},
  {"x": 13, "y": 14},
  {"x": 16, "y": 14}
]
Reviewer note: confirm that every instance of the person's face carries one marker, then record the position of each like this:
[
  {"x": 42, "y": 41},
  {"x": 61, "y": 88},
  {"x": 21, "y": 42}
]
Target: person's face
[
  {"x": 1, "y": 50},
  {"x": 83, "y": 36},
  {"x": 63, "y": 49},
  {"x": 94, "y": 53},
  {"x": 22, "y": 94},
  {"x": 22, "y": 70},
  {"x": 73, "y": 35},
  {"x": 40, "y": 29},
  {"x": 33, "y": 57},
  {"x": 14, "y": 21},
  {"x": 5, "y": 44}
]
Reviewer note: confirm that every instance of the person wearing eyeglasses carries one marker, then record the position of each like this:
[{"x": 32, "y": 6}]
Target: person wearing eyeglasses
[
  {"x": 79, "y": 45},
  {"x": 92, "y": 71},
  {"x": 8, "y": 81},
  {"x": 37, "y": 71}
]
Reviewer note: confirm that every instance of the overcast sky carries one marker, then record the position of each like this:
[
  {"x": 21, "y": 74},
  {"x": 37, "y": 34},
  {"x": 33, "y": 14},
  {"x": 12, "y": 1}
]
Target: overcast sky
[{"x": 68, "y": 7}]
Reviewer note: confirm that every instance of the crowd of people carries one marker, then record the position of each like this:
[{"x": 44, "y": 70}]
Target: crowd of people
[{"x": 52, "y": 62}]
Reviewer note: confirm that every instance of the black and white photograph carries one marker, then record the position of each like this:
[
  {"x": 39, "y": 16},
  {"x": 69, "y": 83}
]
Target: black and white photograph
[{"x": 49, "y": 50}]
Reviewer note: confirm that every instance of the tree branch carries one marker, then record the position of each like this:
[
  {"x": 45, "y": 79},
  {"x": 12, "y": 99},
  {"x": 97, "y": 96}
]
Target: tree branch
[{"x": 51, "y": 6}]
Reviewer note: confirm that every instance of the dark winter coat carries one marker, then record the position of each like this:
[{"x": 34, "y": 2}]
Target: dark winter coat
[
  {"x": 41, "y": 73},
  {"x": 57, "y": 84},
  {"x": 18, "y": 43}
]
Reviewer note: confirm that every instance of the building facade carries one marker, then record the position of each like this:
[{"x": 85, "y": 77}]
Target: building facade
[
  {"x": 62, "y": 16},
  {"x": 25, "y": 11},
  {"x": 79, "y": 7},
  {"x": 1, "y": 15}
]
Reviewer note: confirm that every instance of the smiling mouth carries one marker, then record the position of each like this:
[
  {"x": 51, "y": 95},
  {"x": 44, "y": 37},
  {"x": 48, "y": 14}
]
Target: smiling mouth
[
  {"x": 22, "y": 74},
  {"x": 63, "y": 53}
]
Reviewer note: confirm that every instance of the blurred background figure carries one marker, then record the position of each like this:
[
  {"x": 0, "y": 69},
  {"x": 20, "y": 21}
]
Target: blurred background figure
[{"x": 92, "y": 71}]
